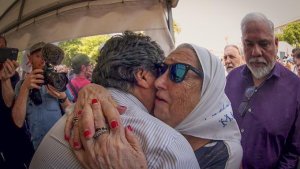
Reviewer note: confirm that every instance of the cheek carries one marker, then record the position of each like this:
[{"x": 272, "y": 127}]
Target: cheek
[{"x": 184, "y": 101}]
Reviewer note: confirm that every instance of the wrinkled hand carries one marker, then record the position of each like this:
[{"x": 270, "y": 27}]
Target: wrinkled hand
[
  {"x": 34, "y": 79},
  {"x": 118, "y": 148},
  {"x": 9, "y": 69},
  {"x": 85, "y": 95},
  {"x": 123, "y": 148}
]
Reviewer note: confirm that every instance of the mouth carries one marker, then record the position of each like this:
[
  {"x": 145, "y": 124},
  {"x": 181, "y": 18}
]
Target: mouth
[
  {"x": 159, "y": 99},
  {"x": 229, "y": 67},
  {"x": 258, "y": 64}
]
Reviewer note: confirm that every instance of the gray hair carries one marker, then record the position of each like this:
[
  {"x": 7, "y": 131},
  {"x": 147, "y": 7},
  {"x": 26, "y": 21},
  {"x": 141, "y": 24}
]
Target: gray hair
[
  {"x": 123, "y": 55},
  {"x": 256, "y": 16},
  {"x": 236, "y": 47}
]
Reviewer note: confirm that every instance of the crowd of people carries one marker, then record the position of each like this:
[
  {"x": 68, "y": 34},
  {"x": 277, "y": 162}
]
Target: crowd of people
[{"x": 140, "y": 109}]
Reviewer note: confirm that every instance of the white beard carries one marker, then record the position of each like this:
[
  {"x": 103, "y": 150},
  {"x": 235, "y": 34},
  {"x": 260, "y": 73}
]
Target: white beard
[{"x": 262, "y": 71}]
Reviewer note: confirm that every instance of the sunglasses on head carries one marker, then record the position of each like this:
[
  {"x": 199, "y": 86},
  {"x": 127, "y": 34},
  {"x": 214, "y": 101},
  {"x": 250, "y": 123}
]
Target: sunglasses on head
[{"x": 177, "y": 71}]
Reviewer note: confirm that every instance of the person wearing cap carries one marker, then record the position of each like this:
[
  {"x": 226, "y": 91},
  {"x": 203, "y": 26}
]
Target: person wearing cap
[
  {"x": 82, "y": 70},
  {"x": 15, "y": 146},
  {"x": 38, "y": 104}
]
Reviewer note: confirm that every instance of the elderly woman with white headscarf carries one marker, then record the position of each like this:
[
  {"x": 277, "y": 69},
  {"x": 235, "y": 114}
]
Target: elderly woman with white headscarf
[{"x": 190, "y": 98}]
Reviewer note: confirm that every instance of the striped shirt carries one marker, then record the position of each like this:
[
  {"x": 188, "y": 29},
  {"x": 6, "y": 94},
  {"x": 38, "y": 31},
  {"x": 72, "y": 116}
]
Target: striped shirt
[{"x": 164, "y": 147}]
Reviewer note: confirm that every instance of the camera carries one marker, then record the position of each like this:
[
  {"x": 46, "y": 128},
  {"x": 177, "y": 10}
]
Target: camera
[
  {"x": 58, "y": 80},
  {"x": 53, "y": 55}
]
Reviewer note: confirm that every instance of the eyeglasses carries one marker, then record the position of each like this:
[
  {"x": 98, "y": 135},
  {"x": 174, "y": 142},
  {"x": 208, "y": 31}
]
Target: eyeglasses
[
  {"x": 245, "y": 104},
  {"x": 177, "y": 71}
]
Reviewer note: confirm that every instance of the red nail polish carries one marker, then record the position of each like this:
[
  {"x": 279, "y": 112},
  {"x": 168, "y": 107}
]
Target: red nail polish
[
  {"x": 86, "y": 133},
  {"x": 130, "y": 128},
  {"x": 114, "y": 124},
  {"x": 76, "y": 144},
  {"x": 94, "y": 101},
  {"x": 67, "y": 138}
]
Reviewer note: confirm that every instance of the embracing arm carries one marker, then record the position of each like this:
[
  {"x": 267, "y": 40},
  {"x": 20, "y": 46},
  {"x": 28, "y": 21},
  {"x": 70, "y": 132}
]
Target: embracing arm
[{"x": 93, "y": 106}]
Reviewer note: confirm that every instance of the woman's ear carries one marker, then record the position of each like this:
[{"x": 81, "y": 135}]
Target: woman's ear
[{"x": 142, "y": 78}]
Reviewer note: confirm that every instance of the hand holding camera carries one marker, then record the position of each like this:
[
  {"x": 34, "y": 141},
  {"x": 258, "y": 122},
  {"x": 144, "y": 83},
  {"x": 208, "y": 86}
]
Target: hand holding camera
[
  {"x": 34, "y": 79},
  {"x": 9, "y": 69}
]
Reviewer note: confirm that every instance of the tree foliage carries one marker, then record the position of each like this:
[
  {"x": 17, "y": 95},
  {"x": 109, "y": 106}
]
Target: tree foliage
[
  {"x": 87, "y": 45},
  {"x": 291, "y": 34}
]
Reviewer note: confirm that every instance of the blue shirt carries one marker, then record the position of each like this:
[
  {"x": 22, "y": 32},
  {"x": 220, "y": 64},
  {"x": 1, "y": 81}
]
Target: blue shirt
[
  {"x": 40, "y": 118},
  {"x": 270, "y": 128}
]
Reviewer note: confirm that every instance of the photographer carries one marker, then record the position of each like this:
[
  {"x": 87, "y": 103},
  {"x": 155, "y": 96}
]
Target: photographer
[
  {"x": 38, "y": 104},
  {"x": 15, "y": 147}
]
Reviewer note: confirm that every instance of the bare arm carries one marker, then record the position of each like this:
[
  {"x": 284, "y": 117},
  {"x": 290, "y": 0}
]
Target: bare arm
[
  {"x": 9, "y": 69},
  {"x": 19, "y": 109}
]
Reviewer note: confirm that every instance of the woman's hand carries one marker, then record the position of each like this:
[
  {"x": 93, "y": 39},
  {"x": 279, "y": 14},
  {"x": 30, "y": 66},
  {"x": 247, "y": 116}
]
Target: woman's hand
[
  {"x": 113, "y": 146},
  {"x": 85, "y": 95}
]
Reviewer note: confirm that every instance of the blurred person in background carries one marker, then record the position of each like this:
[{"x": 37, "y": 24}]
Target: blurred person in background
[
  {"x": 82, "y": 69},
  {"x": 232, "y": 57},
  {"x": 16, "y": 149},
  {"x": 37, "y": 105}
]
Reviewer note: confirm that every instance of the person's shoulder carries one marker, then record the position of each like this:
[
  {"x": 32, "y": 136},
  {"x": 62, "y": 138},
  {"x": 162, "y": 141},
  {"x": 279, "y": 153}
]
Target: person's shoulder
[
  {"x": 287, "y": 74},
  {"x": 236, "y": 72},
  {"x": 59, "y": 155}
]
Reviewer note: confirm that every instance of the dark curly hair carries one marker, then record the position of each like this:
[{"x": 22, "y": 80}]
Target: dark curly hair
[{"x": 120, "y": 58}]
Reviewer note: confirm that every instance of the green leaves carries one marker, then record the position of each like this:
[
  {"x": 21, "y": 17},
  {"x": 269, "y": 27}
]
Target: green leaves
[
  {"x": 291, "y": 34},
  {"x": 87, "y": 45}
]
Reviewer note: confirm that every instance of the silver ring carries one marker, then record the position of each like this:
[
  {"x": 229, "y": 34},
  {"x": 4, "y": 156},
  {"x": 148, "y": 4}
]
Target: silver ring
[
  {"x": 100, "y": 131},
  {"x": 75, "y": 120}
]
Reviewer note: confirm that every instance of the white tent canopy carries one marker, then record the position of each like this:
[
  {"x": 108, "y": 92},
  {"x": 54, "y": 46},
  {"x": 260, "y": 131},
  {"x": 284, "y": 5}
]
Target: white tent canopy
[{"x": 25, "y": 22}]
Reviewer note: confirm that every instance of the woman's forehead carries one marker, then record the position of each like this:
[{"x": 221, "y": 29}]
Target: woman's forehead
[{"x": 184, "y": 55}]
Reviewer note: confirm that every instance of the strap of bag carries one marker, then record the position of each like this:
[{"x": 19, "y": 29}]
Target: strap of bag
[{"x": 75, "y": 92}]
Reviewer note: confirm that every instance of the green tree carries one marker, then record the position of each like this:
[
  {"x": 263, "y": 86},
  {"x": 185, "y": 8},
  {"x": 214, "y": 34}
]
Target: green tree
[
  {"x": 86, "y": 45},
  {"x": 291, "y": 34}
]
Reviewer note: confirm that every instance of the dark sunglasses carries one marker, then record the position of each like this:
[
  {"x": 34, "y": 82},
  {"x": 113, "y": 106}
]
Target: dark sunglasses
[
  {"x": 243, "y": 107},
  {"x": 177, "y": 71}
]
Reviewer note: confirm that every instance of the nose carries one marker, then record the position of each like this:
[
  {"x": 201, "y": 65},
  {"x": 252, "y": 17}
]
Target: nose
[
  {"x": 227, "y": 60},
  {"x": 256, "y": 51},
  {"x": 161, "y": 81}
]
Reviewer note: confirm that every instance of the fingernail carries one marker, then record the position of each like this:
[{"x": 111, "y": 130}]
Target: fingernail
[
  {"x": 94, "y": 101},
  {"x": 114, "y": 124},
  {"x": 67, "y": 138},
  {"x": 79, "y": 112},
  {"x": 130, "y": 128},
  {"x": 86, "y": 133},
  {"x": 76, "y": 144}
]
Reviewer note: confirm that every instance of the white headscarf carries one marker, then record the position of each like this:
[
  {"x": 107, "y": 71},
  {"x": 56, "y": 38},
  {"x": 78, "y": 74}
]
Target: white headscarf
[{"x": 212, "y": 118}]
